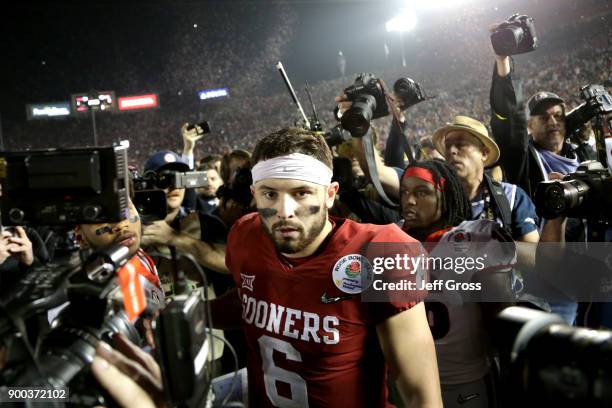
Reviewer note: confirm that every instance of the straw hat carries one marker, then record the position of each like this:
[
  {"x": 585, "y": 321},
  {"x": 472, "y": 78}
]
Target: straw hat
[{"x": 473, "y": 127}]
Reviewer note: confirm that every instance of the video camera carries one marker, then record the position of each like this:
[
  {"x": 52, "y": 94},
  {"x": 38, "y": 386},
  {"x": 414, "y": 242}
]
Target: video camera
[
  {"x": 79, "y": 294},
  {"x": 516, "y": 35},
  {"x": 149, "y": 196},
  {"x": 586, "y": 193},
  {"x": 58, "y": 187},
  {"x": 544, "y": 362},
  {"x": 93, "y": 313}
]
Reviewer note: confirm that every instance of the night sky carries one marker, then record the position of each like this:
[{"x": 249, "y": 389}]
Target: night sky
[{"x": 53, "y": 49}]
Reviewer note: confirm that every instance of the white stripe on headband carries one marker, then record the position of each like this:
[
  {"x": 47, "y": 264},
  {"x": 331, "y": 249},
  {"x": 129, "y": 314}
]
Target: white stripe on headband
[{"x": 296, "y": 166}]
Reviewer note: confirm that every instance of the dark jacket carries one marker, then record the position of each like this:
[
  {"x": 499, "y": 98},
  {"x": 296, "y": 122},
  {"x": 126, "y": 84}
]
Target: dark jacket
[{"x": 519, "y": 160}]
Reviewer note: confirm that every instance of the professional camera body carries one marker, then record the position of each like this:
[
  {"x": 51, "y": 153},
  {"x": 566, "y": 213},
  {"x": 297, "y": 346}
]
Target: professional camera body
[
  {"x": 517, "y": 35},
  {"x": 239, "y": 189},
  {"x": 586, "y": 193},
  {"x": 93, "y": 313},
  {"x": 408, "y": 93},
  {"x": 336, "y": 136},
  {"x": 369, "y": 102},
  {"x": 597, "y": 100},
  {"x": 544, "y": 362}
]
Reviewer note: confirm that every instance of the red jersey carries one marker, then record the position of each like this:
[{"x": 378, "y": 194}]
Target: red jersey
[{"x": 303, "y": 350}]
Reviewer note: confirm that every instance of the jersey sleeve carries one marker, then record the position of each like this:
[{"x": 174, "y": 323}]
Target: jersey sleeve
[
  {"x": 390, "y": 243},
  {"x": 234, "y": 252}
]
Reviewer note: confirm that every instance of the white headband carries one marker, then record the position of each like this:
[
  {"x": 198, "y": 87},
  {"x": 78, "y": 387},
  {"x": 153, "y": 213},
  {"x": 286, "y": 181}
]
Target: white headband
[{"x": 296, "y": 166}]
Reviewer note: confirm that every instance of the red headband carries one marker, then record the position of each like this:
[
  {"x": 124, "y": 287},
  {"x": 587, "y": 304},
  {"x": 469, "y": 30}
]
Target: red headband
[{"x": 425, "y": 175}]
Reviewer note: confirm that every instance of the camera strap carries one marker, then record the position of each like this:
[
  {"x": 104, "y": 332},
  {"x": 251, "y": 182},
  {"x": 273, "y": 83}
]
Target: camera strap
[
  {"x": 497, "y": 196},
  {"x": 368, "y": 147}
]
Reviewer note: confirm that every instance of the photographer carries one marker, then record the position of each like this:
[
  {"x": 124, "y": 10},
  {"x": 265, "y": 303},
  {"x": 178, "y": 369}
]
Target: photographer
[
  {"x": 207, "y": 199},
  {"x": 536, "y": 149},
  {"x": 469, "y": 149}
]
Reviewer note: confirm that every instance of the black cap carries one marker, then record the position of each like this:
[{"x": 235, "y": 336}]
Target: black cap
[{"x": 542, "y": 99}]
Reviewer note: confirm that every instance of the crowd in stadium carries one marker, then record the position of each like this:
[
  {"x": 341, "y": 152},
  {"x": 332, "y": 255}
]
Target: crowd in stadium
[{"x": 457, "y": 71}]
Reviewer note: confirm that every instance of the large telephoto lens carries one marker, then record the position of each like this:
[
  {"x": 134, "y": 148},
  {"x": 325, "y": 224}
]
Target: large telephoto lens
[
  {"x": 556, "y": 198},
  {"x": 357, "y": 119}
]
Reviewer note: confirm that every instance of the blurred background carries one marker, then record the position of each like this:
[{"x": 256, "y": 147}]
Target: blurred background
[{"x": 178, "y": 50}]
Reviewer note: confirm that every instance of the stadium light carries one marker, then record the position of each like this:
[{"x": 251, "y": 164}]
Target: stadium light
[
  {"x": 435, "y": 5},
  {"x": 405, "y": 21}
]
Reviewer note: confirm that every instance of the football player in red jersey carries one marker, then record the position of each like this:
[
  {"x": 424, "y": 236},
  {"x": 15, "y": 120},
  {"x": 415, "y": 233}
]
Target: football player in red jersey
[
  {"x": 434, "y": 204},
  {"x": 311, "y": 341}
]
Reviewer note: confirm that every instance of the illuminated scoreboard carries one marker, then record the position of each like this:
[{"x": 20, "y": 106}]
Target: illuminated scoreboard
[{"x": 98, "y": 101}]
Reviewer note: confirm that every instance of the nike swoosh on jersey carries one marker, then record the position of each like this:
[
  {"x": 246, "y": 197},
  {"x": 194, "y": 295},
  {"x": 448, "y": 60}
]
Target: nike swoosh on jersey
[{"x": 325, "y": 299}]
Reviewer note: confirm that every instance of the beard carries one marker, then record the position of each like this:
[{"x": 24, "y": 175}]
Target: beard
[{"x": 291, "y": 245}]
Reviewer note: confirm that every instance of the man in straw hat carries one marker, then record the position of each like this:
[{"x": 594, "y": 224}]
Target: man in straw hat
[{"x": 467, "y": 147}]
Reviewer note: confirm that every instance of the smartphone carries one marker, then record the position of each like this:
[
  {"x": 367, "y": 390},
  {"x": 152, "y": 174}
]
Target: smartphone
[{"x": 205, "y": 126}]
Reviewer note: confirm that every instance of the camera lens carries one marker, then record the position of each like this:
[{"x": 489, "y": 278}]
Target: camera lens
[
  {"x": 357, "y": 119},
  {"x": 558, "y": 197},
  {"x": 165, "y": 180},
  {"x": 408, "y": 92}
]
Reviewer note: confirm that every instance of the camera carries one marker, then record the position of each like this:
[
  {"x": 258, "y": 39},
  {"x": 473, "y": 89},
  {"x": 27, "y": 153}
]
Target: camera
[
  {"x": 239, "y": 189},
  {"x": 63, "y": 356},
  {"x": 149, "y": 197},
  {"x": 586, "y": 193},
  {"x": 184, "y": 347},
  {"x": 544, "y": 362},
  {"x": 336, "y": 136},
  {"x": 55, "y": 187},
  {"x": 205, "y": 126},
  {"x": 369, "y": 102},
  {"x": 408, "y": 92},
  {"x": 597, "y": 101},
  {"x": 517, "y": 35}
]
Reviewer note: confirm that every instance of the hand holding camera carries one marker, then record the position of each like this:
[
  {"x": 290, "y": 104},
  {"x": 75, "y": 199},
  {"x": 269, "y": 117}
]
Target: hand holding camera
[
  {"x": 4, "y": 246},
  {"x": 194, "y": 132},
  {"x": 368, "y": 99},
  {"x": 16, "y": 242},
  {"x": 131, "y": 376}
]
